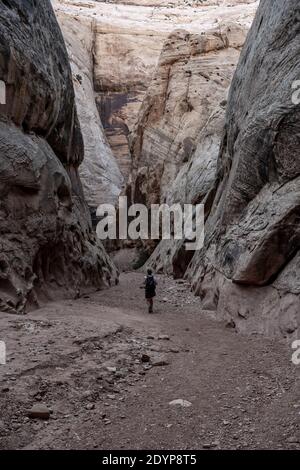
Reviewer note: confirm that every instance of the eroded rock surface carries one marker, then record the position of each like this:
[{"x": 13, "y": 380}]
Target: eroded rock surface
[
  {"x": 101, "y": 177},
  {"x": 128, "y": 38},
  {"x": 176, "y": 141},
  {"x": 191, "y": 79},
  {"x": 248, "y": 271},
  {"x": 47, "y": 247}
]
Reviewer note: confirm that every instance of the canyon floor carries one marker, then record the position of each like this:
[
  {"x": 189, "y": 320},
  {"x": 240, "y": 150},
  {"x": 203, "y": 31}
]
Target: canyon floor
[{"x": 83, "y": 359}]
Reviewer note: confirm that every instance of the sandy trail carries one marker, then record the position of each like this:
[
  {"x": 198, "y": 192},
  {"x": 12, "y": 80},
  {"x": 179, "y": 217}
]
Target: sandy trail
[{"x": 82, "y": 359}]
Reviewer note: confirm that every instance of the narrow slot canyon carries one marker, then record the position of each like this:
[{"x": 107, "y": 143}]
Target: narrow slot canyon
[{"x": 184, "y": 103}]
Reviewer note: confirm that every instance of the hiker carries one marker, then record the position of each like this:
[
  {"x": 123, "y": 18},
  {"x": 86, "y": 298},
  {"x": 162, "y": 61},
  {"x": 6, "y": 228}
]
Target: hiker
[{"x": 150, "y": 289}]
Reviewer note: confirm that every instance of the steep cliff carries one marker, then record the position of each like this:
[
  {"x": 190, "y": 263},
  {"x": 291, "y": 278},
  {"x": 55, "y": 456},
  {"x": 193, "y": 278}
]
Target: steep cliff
[
  {"x": 247, "y": 174},
  {"x": 248, "y": 271},
  {"x": 47, "y": 245},
  {"x": 192, "y": 77},
  {"x": 176, "y": 141},
  {"x": 128, "y": 38},
  {"x": 100, "y": 173}
]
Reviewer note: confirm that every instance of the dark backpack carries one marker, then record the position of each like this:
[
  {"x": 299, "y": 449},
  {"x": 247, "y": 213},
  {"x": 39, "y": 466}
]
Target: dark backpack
[{"x": 150, "y": 284}]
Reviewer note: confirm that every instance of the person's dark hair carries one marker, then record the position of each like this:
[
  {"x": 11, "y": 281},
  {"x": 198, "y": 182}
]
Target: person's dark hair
[{"x": 149, "y": 272}]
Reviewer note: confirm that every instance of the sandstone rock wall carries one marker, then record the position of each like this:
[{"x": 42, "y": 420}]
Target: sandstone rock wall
[
  {"x": 176, "y": 141},
  {"x": 192, "y": 185},
  {"x": 191, "y": 79},
  {"x": 129, "y": 36},
  {"x": 100, "y": 173},
  {"x": 47, "y": 247},
  {"x": 248, "y": 271}
]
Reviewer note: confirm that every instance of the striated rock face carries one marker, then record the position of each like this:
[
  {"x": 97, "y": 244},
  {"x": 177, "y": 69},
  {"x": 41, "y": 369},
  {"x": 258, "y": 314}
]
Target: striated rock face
[
  {"x": 47, "y": 247},
  {"x": 128, "y": 38},
  {"x": 100, "y": 173},
  {"x": 176, "y": 141},
  {"x": 192, "y": 185},
  {"x": 192, "y": 76},
  {"x": 248, "y": 271}
]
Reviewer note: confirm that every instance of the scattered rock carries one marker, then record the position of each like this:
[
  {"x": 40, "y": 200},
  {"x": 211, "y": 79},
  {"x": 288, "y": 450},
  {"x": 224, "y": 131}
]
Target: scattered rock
[
  {"x": 181, "y": 402},
  {"x": 39, "y": 412},
  {"x": 230, "y": 324},
  {"x": 158, "y": 362},
  {"x": 15, "y": 426},
  {"x": 145, "y": 358},
  {"x": 210, "y": 446},
  {"x": 111, "y": 397},
  {"x": 164, "y": 338},
  {"x": 90, "y": 406}
]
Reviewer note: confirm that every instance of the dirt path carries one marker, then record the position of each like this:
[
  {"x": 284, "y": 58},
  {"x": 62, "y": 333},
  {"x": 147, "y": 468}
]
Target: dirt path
[{"x": 82, "y": 359}]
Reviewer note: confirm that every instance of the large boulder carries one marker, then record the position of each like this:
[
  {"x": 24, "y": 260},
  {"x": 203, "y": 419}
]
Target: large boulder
[
  {"x": 248, "y": 271},
  {"x": 47, "y": 247}
]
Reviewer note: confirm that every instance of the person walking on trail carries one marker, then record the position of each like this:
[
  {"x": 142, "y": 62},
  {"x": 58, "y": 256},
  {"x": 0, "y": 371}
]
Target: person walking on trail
[{"x": 150, "y": 289}]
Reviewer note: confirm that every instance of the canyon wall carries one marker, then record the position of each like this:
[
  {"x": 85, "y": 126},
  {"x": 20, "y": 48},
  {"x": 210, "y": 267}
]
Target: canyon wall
[
  {"x": 100, "y": 173},
  {"x": 128, "y": 37},
  {"x": 175, "y": 143},
  {"x": 172, "y": 115},
  {"x": 246, "y": 174},
  {"x": 47, "y": 247},
  {"x": 191, "y": 80},
  {"x": 248, "y": 272}
]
